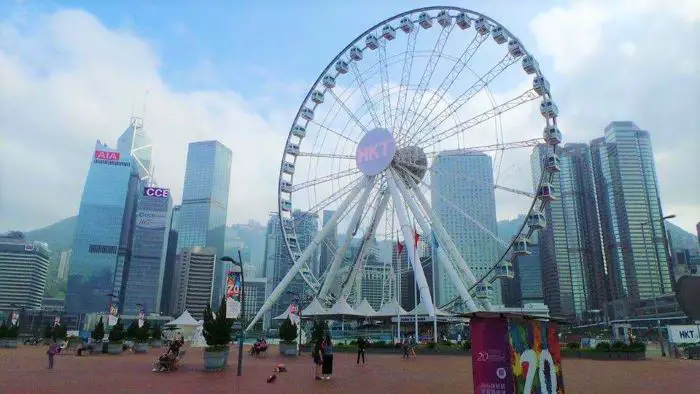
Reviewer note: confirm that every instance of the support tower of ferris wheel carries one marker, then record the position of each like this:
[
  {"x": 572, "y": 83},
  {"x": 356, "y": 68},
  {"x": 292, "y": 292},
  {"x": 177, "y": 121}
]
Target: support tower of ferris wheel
[{"x": 365, "y": 138}]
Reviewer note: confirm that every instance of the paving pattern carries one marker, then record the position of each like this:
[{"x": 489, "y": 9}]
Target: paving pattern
[{"x": 24, "y": 371}]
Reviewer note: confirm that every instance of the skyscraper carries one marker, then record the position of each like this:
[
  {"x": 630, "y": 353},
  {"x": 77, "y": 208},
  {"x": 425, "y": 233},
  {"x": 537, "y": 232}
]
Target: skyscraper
[
  {"x": 139, "y": 146},
  {"x": 205, "y": 203},
  {"x": 570, "y": 247},
  {"x": 476, "y": 197},
  {"x": 144, "y": 277},
  {"x": 64, "y": 264},
  {"x": 630, "y": 212},
  {"x": 169, "y": 273},
  {"x": 23, "y": 270},
  {"x": 100, "y": 234},
  {"x": 196, "y": 280}
]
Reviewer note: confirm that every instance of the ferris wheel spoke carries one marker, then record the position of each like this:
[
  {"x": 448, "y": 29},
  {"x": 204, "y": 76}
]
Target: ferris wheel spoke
[
  {"x": 326, "y": 155},
  {"x": 425, "y": 79},
  {"x": 325, "y": 178},
  {"x": 339, "y": 134},
  {"x": 447, "y": 82},
  {"x": 430, "y": 140},
  {"x": 365, "y": 94},
  {"x": 348, "y": 111},
  {"x": 405, "y": 76},
  {"x": 326, "y": 202},
  {"x": 467, "y": 95},
  {"x": 386, "y": 93}
]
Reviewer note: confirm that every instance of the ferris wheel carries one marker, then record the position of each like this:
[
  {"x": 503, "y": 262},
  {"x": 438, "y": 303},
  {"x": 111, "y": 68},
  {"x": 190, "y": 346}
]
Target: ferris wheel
[{"x": 368, "y": 155}]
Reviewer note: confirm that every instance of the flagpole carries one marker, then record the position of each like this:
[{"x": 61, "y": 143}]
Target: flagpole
[
  {"x": 433, "y": 259},
  {"x": 415, "y": 286},
  {"x": 398, "y": 287}
]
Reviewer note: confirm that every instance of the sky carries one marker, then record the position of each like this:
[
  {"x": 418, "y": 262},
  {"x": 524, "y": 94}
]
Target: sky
[{"x": 72, "y": 72}]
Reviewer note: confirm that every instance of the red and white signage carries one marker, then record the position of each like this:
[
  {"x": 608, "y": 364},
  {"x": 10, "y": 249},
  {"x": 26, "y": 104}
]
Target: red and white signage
[{"x": 106, "y": 155}]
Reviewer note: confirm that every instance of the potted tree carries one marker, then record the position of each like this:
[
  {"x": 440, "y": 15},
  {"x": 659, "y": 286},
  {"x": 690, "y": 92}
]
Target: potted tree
[
  {"x": 98, "y": 336},
  {"x": 217, "y": 333},
  {"x": 130, "y": 335},
  {"x": 3, "y": 335},
  {"x": 116, "y": 338},
  {"x": 47, "y": 334},
  {"x": 157, "y": 337},
  {"x": 141, "y": 337},
  {"x": 60, "y": 332},
  {"x": 288, "y": 338}
]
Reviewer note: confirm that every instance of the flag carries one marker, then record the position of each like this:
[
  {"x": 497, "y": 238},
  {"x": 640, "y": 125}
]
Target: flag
[
  {"x": 399, "y": 247},
  {"x": 416, "y": 238}
]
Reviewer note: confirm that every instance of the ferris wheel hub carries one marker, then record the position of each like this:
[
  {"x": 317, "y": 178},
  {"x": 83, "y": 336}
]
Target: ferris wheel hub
[{"x": 411, "y": 162}]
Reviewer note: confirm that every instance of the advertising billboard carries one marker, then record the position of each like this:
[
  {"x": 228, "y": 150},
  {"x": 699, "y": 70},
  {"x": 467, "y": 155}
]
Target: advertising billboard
[
  {"x": 151, "y": 219},
  {"x": 684, "y": 334},
  {"x": 156, "y": 192},
  {"x": 233, "y": 295},
  {"x": 106, "y": 155}
]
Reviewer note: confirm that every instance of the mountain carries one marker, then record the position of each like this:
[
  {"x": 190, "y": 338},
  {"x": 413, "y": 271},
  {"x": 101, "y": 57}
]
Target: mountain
[
  {"x": 681, "y": 239},
  {"x": 59, "y": 235}
]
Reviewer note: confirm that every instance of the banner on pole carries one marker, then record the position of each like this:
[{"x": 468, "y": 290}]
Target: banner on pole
[
  {"x": 233, "y": 295},
  {"x": 294, "y": 314},
  {"x": 14, "y": 319},
  {"x": 57, "y": 321},
  {"x": 141, "y": 315},
  {"x": 113, "y": 314}
]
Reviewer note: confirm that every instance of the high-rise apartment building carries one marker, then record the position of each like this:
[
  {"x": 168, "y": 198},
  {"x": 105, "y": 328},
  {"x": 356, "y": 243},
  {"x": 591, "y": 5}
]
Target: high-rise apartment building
[
  {"x": 205, "y": 203},
  {"x": 144, "y": 277},
  {"x": 573, "y": 270},
  {"x": 376, "y": 282},
  {"x": 64, "y": 264},
  {"x": 255, "y": 295},
  {"x": 195, "y": 277},
  {"x": 23, "y": 270},
  {"x": 630, "y": 212},
  {"x": 476, "y": 197}
]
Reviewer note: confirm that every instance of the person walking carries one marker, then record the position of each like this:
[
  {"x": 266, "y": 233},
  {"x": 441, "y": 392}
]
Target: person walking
[
  {"x": 361, "y": 346},
  {"x": 53, "y": 350},
  {"x": 317, "y": 355},
  {"x": 412, "y": 347},
  {"x": 327, "y": 367},
  {"x": 404, "y": 347}
]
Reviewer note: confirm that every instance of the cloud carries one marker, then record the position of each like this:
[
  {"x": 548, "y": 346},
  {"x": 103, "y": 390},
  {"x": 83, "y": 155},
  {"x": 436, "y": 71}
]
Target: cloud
[{"x": 72, "y": 80}]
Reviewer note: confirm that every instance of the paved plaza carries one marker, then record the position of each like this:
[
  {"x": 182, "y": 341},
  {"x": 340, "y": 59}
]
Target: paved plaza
[{"x": 24, "y": 371}]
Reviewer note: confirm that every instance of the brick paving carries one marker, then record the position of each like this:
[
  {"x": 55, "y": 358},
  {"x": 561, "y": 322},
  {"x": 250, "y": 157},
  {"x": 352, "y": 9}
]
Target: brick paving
[{"x": 24, "y": 371}]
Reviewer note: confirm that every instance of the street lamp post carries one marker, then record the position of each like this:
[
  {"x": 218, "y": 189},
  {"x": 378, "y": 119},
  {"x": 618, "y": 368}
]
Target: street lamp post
[{"x": 239, "y": 263}]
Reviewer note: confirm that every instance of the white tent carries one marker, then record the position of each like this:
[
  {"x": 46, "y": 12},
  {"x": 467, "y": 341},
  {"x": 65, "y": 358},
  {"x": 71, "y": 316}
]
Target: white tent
[
  {"x": 185, "y": 320},
  {"x": 315, "y": 309},
  {"x": 365, "y": 309},
  {"x": 421, "y": 310},
  {"x": 342, "y": 308},
  {"x": 284, "y": 315},
  {"x": 390, "y": 309}
]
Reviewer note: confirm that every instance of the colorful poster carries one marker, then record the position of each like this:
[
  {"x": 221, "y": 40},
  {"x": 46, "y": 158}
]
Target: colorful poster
[
  {"x": 535, "y": 357},
  {"x": 490, "y": 356},
  {"x": 233, "y": 295},
  {"x": 57, "y": 321},
  {"x": 113, "y": 314},
  {"x": 141, "y": 315},
  {"x": 14, "y": 319},
  {"x": 294, "y": 314}
]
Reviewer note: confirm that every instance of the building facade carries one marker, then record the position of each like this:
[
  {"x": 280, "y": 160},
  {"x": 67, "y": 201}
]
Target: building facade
[
  {"x": 476, "y": 197},
  {"x": 328, "y": 246},
  {"x": 630, "y": 213},
  {"x": 64, "y": 264},
  {"x": 205, "y": 202},
  {"x": 255, "y": 294},
  {"x": 196, "y": 278},
  {"x": 169, "y": 282},
  {"x": 24, "y": 267}
]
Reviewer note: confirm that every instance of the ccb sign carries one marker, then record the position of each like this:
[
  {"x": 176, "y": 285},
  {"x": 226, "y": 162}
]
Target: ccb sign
[{"x": 156, "y": 192}]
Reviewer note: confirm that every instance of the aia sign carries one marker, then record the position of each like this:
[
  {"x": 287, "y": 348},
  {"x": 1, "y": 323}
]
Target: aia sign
[
  {"x": 375, "y": 151},
  {"x": 106, "y": 155},
  {"x": 156, "y": 192}
]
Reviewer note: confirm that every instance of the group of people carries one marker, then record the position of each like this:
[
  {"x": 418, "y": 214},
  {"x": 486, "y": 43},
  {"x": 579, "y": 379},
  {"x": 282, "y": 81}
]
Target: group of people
[
  {"x": 167, "y": 360},
  {"x": 259, "y": 347},
  {"x": 408, "y": 345},
  {"x": 323, "y": 358}
]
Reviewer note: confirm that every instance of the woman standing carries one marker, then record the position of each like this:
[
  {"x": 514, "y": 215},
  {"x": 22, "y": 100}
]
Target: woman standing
[
  {"x": 317, "y": 355},
  {"x": 327, "y": 358},
  {"x": 53, "y": 350}
]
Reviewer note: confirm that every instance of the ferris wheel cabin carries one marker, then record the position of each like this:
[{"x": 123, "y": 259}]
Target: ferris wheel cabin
[
  {"x": 307, "y": 113},
  {"x": 342, "y": 66},
  {"x": 286, "y": 205},
  {"x": 444, "y": 18},
  {"x": 372, "y": 42},
  {"x": 551, "y": 163},
  {"x": 425, "y": 21},
  {"x": 288, "y": 168},
  {"x": 317, "y": 97},
  {"x": 499, "y": 35},
  {"x": 541, "y": 85},
  {"x": 388, "y": 32},
  {"x": 515, "y": 49},
  {"x": 552, "y": 136},
  {"x": 406, "y": 24},
  {"x": 285, "y": 186},
  {"x": 299, "y": 131},
  {"x": 548, "y": 109},
  {"x": 356, "y": 53},
  {"x": 482, "y": 26},
  {"x": 521, "y": 246},
  {"x": 504, "y": 270},
  {"x": 288, "y": 224},
  {"x": 536, "y": 220},
  {"x": 292, "y": 149},
  {"x": 530, "y": 65},
  {"x": 463, "y": 21},
  {"x": 483, "y": 291},
  {"x": 329, "y": 81},
  {"x": 545, "y": 192}
]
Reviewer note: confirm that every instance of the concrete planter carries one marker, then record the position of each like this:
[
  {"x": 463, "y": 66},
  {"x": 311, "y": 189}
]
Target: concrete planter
[
  {"x": 3, "y": 343},
  {"x": 115, "y": 348},
  {"x": 11, "y": 343},
  {"x": 215, "y": 361},
  {"x": 288, "y": 348},
  {"x": 141, "y": 347}
]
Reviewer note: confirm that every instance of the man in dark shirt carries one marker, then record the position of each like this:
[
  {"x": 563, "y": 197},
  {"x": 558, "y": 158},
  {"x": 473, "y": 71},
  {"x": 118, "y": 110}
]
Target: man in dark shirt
[{"x": 361, "y": 346}]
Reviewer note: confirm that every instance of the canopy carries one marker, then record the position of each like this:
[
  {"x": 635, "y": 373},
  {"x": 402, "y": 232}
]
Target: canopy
[
  {"x": 315, "y": 309},
  {"x": 390, "y": 309},
  {"x": 365, "y": 309},
  {"x": 342, "y": 308},
  {"x": 185, "y": 320},
  {"x": 283, "y": 316},
  {"x": 421, "y": 310}
]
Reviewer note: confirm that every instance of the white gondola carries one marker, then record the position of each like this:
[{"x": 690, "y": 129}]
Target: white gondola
[
  {"x": 536, "y": 220},
  {"x": 530, "y": 65},
  {"x": 288, "y": 168},
  {"x": 388, "y": 32},
  {"x": 285, "y": 186},
  {"x": 292, "y": 149},
  {"x": 548, "y": 109},
  {"x": 317, "y": 97},
  {"x": 552, "y": 135},
  {"x": 499, "y": 35},
  {"x": 483, "y": 291},
  {"x": 292, "y": 238},
  {"x": 371, "y": 41},
  {"x": 356, "y": 53},
  {"x": 288, "y": 223},
  {"x": 541, "y": 85},
  {"x": 521, "y": 246},
  {"x": 329, "y": 81},
  {"x": 425, "y": 21},
  {"x": 482, "y": 26},
  {"x": 342, "y": 66},
  {"x": 551, "y": 163},
  {"x": 463, "y": 21},
  {"x": 515, "y": 49},
  {"x": 545, "y": 192},
  {"x": 307, "y": 113},
  {"x": 406, "y": 24},
  {"x": 286, "y": 205},
  {"x": 444, "y": 18},
  {"x": 504, "y": 270},
  {"x": 299, "y": 131}
]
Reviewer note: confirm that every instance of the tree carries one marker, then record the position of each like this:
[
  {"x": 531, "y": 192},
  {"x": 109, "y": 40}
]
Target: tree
[
  {"x": 117, "y": 333},
  {"x": 288, "y": 331},
  {"x": 3, "y": 330},
  {"x": 217, "y": 329},
  {"x": 143, "y": 333},
  {"x": 157, "y": 333},
  {"x": 132, "y": 331},
  {"x": 319, "y": 331},
  {"x": 48, "y": 331},
  {"x": 98, "y": 333},
  {"x": 60, "y": 332}
]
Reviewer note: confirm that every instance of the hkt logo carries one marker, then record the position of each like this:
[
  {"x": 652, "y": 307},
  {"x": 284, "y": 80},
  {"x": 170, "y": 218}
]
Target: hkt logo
[
  {"x": 156, "y": 192},
  {"x": 373, "y": 152},
  {"x": 687, "y": 334},
  {"x": 105, "y": 155}
]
